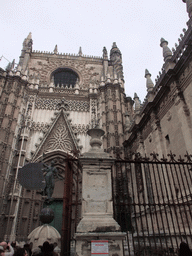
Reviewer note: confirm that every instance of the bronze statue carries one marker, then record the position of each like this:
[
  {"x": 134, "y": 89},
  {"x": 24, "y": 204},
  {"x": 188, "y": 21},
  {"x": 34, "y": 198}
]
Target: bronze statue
[{"x": 49, "y": 172}]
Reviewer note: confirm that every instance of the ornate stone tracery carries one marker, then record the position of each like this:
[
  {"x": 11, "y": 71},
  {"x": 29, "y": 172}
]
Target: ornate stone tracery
[
  {"x": 93, "y": 111},
  {"x": 60, "y": 139},
  {"x": 52, "y": 104},
  {"x": 43, "y": 127},
  {"x": 80, "y": 129}
]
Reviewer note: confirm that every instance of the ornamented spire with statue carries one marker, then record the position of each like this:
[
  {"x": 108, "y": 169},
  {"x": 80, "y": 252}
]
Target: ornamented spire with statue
[
  {"x": 116, "y": 60},
  {"x": 26, "y": 51}
]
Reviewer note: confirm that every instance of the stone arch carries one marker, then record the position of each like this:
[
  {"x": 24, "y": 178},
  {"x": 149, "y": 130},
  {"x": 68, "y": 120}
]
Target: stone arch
[
  {"x": 65, "y": 77},
  {"x": 53, "y": 70}
]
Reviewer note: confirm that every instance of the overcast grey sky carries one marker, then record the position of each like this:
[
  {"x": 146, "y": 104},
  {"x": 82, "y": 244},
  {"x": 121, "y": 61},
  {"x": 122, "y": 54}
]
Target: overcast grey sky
[{"x": 136, "y": 27}]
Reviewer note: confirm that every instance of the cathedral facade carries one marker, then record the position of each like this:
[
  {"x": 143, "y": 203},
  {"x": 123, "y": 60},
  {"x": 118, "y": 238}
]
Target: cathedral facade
[
  {"x": 50, "y": 100},
  {"x": 48, "y": 103}
]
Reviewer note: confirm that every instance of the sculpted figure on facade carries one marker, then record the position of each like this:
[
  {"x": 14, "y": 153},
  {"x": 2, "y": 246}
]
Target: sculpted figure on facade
[{"x": 50, "y": 171}]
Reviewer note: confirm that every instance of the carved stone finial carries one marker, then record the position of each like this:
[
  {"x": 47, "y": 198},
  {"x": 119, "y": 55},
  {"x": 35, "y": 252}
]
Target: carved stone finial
[
  {"x": 149, "y": 83},
  {"x": 29, "y": 36},
  {"x": 137, "y": 102},
  {"x": 167, "y": 54},
  {"x": 80, "y": 51},
  {"x": 135, "y": 96},
  {"x": 115, "y": 53},
  {"x": 8, "y": 67},
  {"x": 55, "y": 49},
  {"x": 105, "y": 55},
  {"x": 28, "y": 42},
  {"x": 13, "y": 64},
  {"x": 147, "y": 73},
  {"x": 189, "y": 7},
  {"x": 63, "y": 105}
]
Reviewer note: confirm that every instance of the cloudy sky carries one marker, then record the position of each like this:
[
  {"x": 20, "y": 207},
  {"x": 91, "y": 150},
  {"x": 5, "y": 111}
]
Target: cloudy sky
[{"x": 136, "y": 27}]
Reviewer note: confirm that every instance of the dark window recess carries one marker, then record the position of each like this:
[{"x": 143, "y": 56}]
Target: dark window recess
[
  {"x": 65, "y": 77},
  {"x": 167, "y": 139}
]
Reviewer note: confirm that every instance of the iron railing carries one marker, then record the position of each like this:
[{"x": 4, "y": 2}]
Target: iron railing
[{"x": 153, "y": 203}]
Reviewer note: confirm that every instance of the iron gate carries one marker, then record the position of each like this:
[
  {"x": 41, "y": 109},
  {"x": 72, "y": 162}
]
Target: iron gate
[{"x": 153, "y": 203}]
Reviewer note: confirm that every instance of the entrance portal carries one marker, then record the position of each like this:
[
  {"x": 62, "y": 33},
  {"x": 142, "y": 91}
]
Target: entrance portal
[{"x": 66, "y": 198}]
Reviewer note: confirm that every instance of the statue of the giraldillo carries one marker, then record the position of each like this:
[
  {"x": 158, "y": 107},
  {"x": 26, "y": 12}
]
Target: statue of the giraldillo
[{"x": 49, "y": 172}]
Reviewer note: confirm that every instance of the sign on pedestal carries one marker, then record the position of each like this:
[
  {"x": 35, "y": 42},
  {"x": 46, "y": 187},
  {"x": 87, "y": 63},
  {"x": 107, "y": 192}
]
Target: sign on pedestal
[{"x": 99, "y": 247}]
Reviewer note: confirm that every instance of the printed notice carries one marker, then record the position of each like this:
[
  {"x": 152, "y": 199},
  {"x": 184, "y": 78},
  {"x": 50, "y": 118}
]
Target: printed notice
[{"x": 99, "y": 247}]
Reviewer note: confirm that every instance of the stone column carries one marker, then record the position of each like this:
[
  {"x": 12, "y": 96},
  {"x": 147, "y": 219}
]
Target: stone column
[{"x": 97, "y": 221}]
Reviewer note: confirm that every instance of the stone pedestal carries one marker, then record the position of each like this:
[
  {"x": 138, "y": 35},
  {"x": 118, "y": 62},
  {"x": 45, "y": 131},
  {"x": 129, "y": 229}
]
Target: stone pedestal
[
  {"x": 83, "y": 242},
  {"x": 97, "y": 221}
]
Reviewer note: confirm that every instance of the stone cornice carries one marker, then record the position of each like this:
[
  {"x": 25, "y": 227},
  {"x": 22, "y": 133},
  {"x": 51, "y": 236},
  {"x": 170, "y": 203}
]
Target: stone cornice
[{"x": 60, "y": 56}]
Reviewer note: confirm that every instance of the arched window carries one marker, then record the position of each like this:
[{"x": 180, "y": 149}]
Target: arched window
[{"x": 65, "y": 77}]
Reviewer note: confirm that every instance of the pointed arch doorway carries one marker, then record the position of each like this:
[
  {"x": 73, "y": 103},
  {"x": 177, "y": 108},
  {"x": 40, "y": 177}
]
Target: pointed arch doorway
[{"x": 66, "y": 196}]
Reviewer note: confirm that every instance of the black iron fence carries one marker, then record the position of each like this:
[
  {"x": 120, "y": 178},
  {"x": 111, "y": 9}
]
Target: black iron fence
[{"x": 153, "y": 203}]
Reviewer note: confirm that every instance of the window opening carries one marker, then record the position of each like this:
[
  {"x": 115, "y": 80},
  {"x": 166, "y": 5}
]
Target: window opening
[{"x": 65, "y": 78}]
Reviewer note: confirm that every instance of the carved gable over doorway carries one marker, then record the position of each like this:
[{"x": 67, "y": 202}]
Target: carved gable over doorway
[{"x": 59, "y": 137}]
